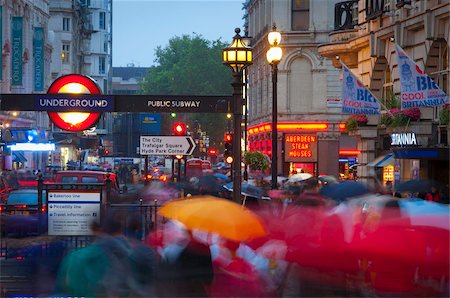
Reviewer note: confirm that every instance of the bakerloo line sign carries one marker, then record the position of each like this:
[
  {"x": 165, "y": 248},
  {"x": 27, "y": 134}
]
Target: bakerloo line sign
[{"x": 77, "y": 95}]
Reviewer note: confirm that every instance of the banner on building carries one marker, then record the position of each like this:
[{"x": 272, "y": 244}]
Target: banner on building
[
  {"x": 38, "y": 57},
  {"x": 417, "y": 88},
  {"x": 1, "y": 42},
  {"x": 356, "y": 98},
  {"x": 16, "y": 51}
]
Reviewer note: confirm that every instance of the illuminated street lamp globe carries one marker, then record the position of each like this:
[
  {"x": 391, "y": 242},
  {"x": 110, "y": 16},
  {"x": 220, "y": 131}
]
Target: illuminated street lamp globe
[{"x": 238, "y": 55}]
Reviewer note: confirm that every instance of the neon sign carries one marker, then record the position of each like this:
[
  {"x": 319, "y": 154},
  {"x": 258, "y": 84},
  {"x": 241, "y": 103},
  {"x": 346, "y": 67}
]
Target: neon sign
[{"x": 300, "y": 148}]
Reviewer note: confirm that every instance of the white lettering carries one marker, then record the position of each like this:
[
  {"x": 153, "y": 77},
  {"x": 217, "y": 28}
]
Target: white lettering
[{"x": 401, "y": 139}]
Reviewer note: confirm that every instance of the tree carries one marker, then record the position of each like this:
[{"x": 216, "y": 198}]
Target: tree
[{"x": 191, "y": 65}]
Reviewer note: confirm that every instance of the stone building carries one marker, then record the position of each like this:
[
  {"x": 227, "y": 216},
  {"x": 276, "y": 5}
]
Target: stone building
[{"x": 364, "y": 38}]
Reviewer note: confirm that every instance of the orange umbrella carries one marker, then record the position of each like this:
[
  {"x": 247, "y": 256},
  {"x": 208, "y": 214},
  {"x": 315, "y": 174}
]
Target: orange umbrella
[{"x": 215, "y": 215}]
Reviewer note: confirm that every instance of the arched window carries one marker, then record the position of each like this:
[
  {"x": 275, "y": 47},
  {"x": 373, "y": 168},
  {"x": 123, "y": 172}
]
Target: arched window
[{"x": 388, "y": 89}]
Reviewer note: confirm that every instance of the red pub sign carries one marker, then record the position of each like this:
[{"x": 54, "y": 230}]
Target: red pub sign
[{"x": 300, "y": 148}]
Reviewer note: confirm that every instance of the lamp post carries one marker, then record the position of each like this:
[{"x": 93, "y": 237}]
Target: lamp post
[
  {"x": 237, "y": 56},
  {"x": 274, "y": 55}
]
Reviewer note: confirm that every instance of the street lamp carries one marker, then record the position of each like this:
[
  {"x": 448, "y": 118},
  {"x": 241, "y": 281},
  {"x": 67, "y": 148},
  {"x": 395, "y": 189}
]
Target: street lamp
[
  {"x": 274, "y": 55},
  {"x": 237, "y": 56}
]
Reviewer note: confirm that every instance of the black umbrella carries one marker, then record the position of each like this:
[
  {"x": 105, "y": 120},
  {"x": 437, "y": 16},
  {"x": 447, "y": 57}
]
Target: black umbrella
[
  {"x": 342, "y": 191},
  {"x": 422, "y": 186}
]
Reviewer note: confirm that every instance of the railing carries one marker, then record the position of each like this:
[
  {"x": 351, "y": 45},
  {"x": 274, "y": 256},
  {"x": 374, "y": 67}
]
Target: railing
[
  {"x": 374, "y": 9},
  {"x": 343, "y": 15}
]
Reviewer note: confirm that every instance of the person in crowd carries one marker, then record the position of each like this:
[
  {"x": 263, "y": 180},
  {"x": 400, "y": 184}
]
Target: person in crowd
[
  {"x": 311, "y": 194},
  {"x": 444, "y": 194},
  {"x": 106, "y": 268},
  {"x": 185, "y": 269},
  {"x": 433, "y": 196}
]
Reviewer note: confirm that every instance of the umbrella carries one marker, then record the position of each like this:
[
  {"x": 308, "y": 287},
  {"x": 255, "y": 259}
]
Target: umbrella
[
  {"x": 416, "y": 186},
  {"x": 426, "y": 213},
  {"x": 222, "y": 177},
  {"x": 299, "y": 177},
  {"x": 280, "y": 179},
  {"x": 344, "y": 190},
  {"x": 326, "y": 179},
  {"x": 247, "y": 190},
  {"x": 214, "y": 215}
]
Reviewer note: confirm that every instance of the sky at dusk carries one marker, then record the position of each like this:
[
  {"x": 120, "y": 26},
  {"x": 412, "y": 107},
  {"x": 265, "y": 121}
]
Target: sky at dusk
[{"x": 139, "y": 26}]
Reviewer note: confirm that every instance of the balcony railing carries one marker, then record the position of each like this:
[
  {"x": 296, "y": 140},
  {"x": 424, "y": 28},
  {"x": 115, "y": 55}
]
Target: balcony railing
[
  {"x": 343, "y": 15},
  {"x": 374, "y": 9}
]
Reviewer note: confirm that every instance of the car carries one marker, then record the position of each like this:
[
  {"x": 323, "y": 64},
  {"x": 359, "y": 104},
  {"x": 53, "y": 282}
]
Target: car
[
  {"x": 87, "y": 177},
  {"x": 21, "y": 214},
  {"x": 159, "y": 173}
]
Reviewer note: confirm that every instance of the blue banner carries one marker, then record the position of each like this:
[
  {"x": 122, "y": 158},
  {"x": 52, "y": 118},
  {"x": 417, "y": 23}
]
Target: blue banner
[
  {"x": 73, "y": 103},
  {"x": 356, "y": 98},
  {"x": 16, "y": 51},
  {"x": 38, "y": 57},
  {"x": 417, "y": 88}
]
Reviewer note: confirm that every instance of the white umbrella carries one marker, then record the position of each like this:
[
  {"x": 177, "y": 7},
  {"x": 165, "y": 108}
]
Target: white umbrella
[
  {"x": 280, "y": 179},
  {"x": 299, "y": 177}
]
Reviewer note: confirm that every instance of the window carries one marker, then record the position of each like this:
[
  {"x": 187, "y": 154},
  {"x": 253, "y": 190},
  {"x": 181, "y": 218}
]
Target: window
[
  {"x": 105, "y": 44},
  {"x": 102, "y": 20},
  {"x": 300, "y": 15},
  {"x": 388, "y": 89},
  {"x": 441, "y": 75},
  {"x": 65, "y": 55},
  {"x": 66, "y": 24},
  {"x": 101, "y": 65}
]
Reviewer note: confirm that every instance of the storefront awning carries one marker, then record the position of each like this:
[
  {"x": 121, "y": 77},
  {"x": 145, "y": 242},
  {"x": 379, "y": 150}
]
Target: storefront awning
[
  {"x": 382, "y": 161},
  {"x": 18, "y": 157}
]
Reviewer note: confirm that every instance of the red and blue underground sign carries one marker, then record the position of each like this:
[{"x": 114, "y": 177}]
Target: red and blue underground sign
[{"x": 74, "y": 102}]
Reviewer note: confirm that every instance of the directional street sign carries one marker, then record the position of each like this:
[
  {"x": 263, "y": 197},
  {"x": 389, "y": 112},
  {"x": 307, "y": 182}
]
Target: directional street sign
[{"x": 166, "y": 145}]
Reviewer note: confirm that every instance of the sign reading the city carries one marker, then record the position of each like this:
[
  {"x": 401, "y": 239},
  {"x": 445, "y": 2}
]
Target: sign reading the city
[
  {"x": 300, "y": 148},
  {"x": 72, "y": 213},
  {"x": 166, "y": 145},
  {"x": 403, "y": 139},
  {"x": 77, "y": 119}
]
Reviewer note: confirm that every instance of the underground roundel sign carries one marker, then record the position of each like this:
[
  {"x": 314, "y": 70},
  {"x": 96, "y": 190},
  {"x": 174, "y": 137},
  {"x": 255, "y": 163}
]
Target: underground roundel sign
[{"x": 74, "y": 84}]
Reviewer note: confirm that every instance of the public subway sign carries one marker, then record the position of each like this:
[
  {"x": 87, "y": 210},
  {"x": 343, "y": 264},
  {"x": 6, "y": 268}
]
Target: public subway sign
[
  {"x": 403, "y": 139},
  {"x": 300, "y": 148}
]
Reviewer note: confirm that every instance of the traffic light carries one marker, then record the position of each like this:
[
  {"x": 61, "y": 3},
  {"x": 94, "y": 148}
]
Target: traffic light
[
  {"x": 106, "y": 152},
  {"x": 228, "y": 148},
  {"x": 179, "y": 129}
]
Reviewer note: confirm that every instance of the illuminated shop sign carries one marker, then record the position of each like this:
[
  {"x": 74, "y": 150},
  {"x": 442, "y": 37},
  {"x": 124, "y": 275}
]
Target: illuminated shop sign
[
  {"x": 300, "y": 148},
  {"x": 403, "y": 139},
  {"x": 32, "y": 147}
]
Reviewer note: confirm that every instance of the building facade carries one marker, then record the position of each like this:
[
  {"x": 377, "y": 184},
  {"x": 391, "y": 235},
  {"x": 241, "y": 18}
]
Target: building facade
[
  {"x": 364, "y": 38},
  {"x": 309, "y": 122}
]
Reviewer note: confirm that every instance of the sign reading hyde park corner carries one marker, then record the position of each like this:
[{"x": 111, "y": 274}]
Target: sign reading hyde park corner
[{"x": 114, "y": 103}]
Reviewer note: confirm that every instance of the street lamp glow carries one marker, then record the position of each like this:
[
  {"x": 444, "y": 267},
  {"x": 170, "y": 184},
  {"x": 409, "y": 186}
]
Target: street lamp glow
[
  {"x": 274, "y": 37},
  {"x": 274, "y": 54},
  {"x": 237, "y": 55}
]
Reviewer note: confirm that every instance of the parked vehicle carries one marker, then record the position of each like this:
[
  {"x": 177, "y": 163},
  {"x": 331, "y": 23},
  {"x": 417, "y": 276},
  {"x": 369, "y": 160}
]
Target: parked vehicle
[
  {"x": 87, "y": 177},
  {"x": 21, "y": 214}
]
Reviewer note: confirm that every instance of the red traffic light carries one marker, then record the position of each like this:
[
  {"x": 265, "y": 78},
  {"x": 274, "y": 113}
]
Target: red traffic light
[
  {"x": 228, "y": 137},
  {"x": 106, "y": 151},
  {"x": 212, "y": 152},
  {"x": 179, "y": 129},
  {"x": 229, "y": 159}
]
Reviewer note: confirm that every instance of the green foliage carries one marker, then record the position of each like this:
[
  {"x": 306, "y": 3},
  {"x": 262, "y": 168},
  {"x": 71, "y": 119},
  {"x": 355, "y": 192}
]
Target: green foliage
[
  {"x": 191, "y": 65},
  {"x": 444, "y": 115},
  {"x": 392, "y": 101},
  {"x": 256, "y": 160},
  {"x": 351, "y": 124}
]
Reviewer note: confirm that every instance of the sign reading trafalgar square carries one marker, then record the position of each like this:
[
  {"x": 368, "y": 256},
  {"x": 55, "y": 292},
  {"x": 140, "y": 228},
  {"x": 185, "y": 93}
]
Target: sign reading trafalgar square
[{"x": 166, "y": 145}]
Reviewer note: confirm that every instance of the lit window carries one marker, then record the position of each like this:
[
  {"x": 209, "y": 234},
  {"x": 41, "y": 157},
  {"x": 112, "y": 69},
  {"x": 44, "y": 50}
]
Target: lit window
[{"x": 65, "y": 56}]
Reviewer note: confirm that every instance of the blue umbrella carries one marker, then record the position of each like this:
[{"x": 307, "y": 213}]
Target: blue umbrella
[
  {"x": 341, "y": 191},
  {"x": 247, "y": 190},
  {"x": 222, "y": 177}
]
